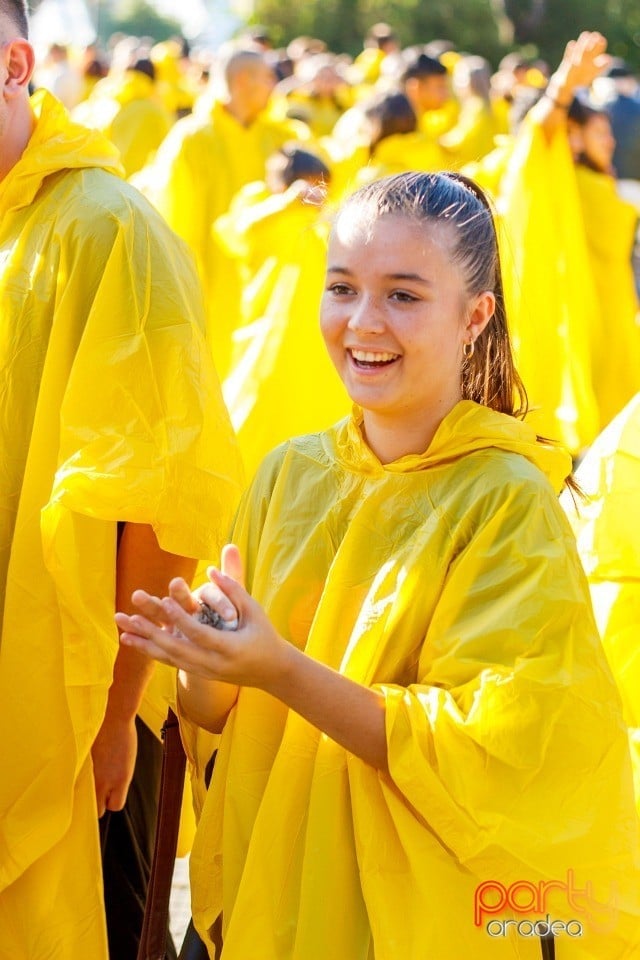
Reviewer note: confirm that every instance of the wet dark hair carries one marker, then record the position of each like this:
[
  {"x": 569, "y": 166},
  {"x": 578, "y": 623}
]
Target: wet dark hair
[
  {"x": 16, "y": 11},
  {"x": 292, "y": 163},
  {"x": 389, "y": 114},
  {"x": 489, "y": 376}
]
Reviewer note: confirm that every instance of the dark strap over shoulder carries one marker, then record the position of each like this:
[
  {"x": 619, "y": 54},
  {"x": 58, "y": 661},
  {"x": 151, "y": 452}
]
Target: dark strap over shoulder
[{"x": 153, "y": 942}]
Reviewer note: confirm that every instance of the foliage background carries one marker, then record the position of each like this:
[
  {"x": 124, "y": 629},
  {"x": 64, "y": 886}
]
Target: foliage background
[{"x": 488, "y": 27}]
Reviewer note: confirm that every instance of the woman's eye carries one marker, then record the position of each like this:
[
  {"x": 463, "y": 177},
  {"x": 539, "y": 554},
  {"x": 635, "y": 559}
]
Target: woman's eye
[
  {"x": 403, "y": 296},
  {"x": 340, "y": 289}
]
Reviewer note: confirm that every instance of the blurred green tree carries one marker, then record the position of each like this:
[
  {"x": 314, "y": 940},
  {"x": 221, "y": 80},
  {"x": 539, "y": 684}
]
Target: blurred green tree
[{"x": 488, "y": 27}]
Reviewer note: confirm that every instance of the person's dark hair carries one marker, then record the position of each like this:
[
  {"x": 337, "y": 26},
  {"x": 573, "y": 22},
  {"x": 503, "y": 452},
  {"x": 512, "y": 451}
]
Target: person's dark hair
[
  {"x": 389, "y": 114},
  {"x": 581, "y": 111},
  {"x": 422, "y": 66},
  {"x": 292, "y": 163},
  {"x": 144, "y": 65},
  {"x": 16, "y": 11},
  {"x": 489, "y": 376}
]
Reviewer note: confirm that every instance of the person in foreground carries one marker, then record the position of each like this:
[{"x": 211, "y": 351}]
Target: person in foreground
[{"x": 420, "y": 734}]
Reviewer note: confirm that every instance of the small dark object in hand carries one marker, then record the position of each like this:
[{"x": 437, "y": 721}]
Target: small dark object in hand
[{"x": 212, "y": 618}]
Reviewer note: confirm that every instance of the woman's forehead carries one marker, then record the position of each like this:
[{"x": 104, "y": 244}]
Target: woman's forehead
[{"x": 356, "y": 227}]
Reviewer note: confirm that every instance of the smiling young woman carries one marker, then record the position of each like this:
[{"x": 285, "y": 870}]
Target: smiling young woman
[{"x": 415, "y": 701}]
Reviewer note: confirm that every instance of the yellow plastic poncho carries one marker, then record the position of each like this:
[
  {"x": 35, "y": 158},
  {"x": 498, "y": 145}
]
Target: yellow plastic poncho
[
  {"x": 111, "y": 412},
  {"x": 450, "y": 582},
  {"x": 549, "y": 289},
  {"x": 608, "y": 531},
  {"x": 610, "y": 224},
  {"x": 127, "y": 110},
  {"x": 203, "y": 162},
  {"x": 473, "y": 135},
  {"x": 402, "y": 152},
  {"x": 282, "y": 382}
]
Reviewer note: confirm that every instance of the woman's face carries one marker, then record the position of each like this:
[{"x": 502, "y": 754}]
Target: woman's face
[
  {"x": 595, "y": 140},
  {"x": 395, "y": 314}
]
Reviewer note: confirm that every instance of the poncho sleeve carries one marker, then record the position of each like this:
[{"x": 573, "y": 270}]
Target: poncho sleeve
[{"x": 510, "y": 747}]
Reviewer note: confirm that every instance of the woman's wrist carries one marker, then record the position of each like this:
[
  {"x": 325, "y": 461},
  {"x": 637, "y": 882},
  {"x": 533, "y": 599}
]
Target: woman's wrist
[
  {"x": 558, "y": 94},
  {"x": 559, "y": 104}
]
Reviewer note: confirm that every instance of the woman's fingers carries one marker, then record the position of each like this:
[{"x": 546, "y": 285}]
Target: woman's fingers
[
  {"x": 233, "y": 590},
  {"x": 148, "y": 605},
  {"x": 215, "y": 598},
  {"x": 189, "y": 646},
  {"x": 231, "y": 563},
  {"x": 180, "y": 591}
]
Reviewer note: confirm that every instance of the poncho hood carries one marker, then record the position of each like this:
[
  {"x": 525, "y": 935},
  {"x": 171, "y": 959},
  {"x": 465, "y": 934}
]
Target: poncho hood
[
  {"x": 467, "y": 428},
  {"x": 57, "y": 143}
]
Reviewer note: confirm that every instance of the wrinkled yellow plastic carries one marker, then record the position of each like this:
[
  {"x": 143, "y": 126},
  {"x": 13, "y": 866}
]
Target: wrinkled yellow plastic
[
  {"x": 128, "y": 111},
  {"x": 549, "y": 289},
  {"x": 608, "y": 530},
  {"x": 282, "y": 382},
  {"x": 200, "y": 166},
  {"x": 111, "y": 412},
  {"x": 609, "y": 224},
  {"x": 473, "y": 135},
  {"x": 449, "y": 582}
]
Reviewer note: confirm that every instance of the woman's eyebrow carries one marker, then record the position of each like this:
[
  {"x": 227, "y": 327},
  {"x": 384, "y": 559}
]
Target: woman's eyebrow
[
  {"x": 415, "y": 277},
  {"x": 408, "y": 276}
]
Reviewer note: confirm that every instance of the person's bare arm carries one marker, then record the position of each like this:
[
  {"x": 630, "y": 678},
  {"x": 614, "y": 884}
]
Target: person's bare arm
[
  {"x": 256, "y": 655},
  {"x": 584, "y": 59},
  {"x": 140, "y": 562}
]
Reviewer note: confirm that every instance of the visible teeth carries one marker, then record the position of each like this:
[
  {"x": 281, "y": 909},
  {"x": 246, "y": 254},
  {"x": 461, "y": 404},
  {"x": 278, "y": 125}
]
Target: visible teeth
[{"x": 365, "y": 357}]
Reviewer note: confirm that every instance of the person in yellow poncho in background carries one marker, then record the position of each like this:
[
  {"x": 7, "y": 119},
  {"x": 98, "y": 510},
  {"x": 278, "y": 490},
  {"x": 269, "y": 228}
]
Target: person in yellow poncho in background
[
  {"x": 421, "y": 85},
  {"x": 127, "y": 109},
  {"x": 567, "y": 251},
  {"x": 607, "y": 528},
  {"x": 610, "y": 227},
  {"x": 418, "y": 720},
  {"x": 204, "y": 161},
  {"x": 277, "y": 232},
  {"x": 114, "y": 438},
  {"x": 396, "y": 144},
  {"x": 472, "y": 136}
]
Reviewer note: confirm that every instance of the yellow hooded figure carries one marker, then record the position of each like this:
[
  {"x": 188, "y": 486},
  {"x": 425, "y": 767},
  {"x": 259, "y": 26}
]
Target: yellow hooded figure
[
  {"x": 423, "y": 752},
  {"x": 128, "y": 111},
  {"x": 498, "y": 736},
  {"x": 112, "y": 413},
  {"x": 549, "y": 287},
  {"x": 607, "y": 527}
]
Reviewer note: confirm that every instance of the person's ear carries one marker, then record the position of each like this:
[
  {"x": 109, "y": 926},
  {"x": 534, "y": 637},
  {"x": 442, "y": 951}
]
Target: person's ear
[
  {"x": 483, "y": 308},
  {"x": 20, "y": 63}
]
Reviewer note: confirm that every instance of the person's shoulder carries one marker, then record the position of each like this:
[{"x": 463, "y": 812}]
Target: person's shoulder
[
  {"x": 96, "y": 207},
  {"x": 108, "y": 197},
  {"x": 509, "y": 484},
  {"x": 311, "y": 447}
]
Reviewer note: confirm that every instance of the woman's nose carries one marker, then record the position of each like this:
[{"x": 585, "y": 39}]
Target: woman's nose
[{"x": 366, "y": 315}]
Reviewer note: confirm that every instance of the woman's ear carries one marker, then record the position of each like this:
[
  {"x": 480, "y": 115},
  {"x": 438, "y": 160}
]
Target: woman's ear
[
  {"x": 20, "y": 61},
  {"x": 483, "y": 308}
]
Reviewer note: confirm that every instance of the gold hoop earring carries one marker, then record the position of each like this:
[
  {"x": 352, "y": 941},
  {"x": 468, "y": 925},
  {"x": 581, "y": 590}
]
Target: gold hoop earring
[{"x": 467, "y": 349}]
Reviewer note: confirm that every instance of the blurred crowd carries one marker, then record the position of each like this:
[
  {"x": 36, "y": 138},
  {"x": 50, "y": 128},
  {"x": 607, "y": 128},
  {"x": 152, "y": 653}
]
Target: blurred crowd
[{"x": 247, "y": 150}]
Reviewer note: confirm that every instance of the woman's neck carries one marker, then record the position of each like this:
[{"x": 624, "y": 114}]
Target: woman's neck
[{"x": 390, "y": 438}]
